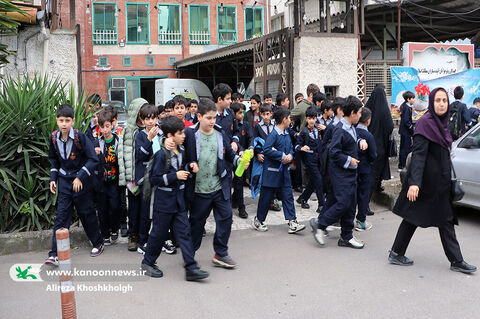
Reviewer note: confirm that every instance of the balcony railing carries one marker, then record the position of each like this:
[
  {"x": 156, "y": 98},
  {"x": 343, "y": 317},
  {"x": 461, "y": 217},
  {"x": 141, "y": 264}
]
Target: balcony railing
[
  {"x": 170, "y": 37},
  {"x": 199, "y": 37},
  {"x": 105, "y": 37}
]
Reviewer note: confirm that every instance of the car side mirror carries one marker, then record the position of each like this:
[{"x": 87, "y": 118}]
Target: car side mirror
[{"x": 469, "y": 142}]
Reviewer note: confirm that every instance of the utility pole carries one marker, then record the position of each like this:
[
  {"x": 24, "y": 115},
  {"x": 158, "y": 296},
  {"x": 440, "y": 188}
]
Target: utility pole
[{"x": 399, "y": 21}]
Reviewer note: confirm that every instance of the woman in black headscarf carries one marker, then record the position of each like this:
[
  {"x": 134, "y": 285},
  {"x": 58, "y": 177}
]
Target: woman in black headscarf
[
  {"x": 426, "y": 197},
  {"x": 381, "y": 128}
]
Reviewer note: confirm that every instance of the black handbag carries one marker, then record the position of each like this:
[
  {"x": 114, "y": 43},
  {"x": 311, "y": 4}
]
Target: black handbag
[{"x": 456, "y": 187}]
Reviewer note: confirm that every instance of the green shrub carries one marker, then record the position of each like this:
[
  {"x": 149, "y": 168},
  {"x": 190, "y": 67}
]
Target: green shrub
[{"x": 28, "y": 117}]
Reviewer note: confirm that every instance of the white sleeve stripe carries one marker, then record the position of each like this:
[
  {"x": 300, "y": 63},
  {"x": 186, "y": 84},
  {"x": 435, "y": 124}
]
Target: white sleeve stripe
[
  {"x": 86, "y": 170},
  {"x": 144, "y": 150},
  {"x": 53, "y": 170},
  {"x": 165, "y": 179}
]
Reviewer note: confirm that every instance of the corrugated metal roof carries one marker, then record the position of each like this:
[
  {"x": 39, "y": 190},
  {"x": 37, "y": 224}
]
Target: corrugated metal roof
[{"x": 215, "y": 54}]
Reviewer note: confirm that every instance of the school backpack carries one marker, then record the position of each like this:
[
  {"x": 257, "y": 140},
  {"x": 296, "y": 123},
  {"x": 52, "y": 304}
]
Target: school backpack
[
  {"x": 455, "y": 121},
  {"x": 147, "y": 186},
  {"x": 76, "y": 140}
]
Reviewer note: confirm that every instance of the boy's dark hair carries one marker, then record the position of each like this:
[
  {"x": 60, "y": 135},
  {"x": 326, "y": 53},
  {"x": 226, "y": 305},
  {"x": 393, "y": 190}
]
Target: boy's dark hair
[
  {"x": 311, "y": 112},
  {"x": 267, "y": 96},
  {"x": 380, "y": 85},
  {"x": 338, "y": 103},
  {"x": 105, "y": 116},
  {"x": 256, "y": 97},
  {"x": 94, "y": 99},
  {"x": 408, "y": 95},
  {"x": 318, "y": 97},
  {"x": 206, "y": 105},
  {"x": 366, "y": 115},
  {"x": 352, "y": 105},
  {"x": 298, "y": 95},
  {"x": 172, "y": 125},
  {"x": 265, "y": 107},
  {"x": 161, "y": 109},
  {"x": 236, "y": 96},
  {"x": 280, "y": 114},
  {"x": 188, "y": 102},
  {"x": 112, "y": 110},
  {"x": 237, "y": 107},
  {"x": 280, "y": 98},
  {"x": 193, "y": 101},
  {"x": 179, "y": 99},
  {"x": 312, "y": 88},
  {"x": 220, "y": 91},
  {"x": 458, "y": 93},
  {"x": 148, "y": 111},
  {"x": 65, "y": 110},
  {"x": 476, "y": 100},
  {"x": 326, "y": 105},
  {"x": 169, "y": 105}
]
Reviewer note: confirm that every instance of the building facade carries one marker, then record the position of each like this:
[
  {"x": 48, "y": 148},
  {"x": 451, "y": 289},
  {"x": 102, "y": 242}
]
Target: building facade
[{"x": 127, "y": 45}]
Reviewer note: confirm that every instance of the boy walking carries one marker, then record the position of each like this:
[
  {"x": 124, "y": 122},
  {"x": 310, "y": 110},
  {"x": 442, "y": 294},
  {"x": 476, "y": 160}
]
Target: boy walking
[
  {"x": 167, "y": 178},
  {"x": 278, "y": 154},
  {"x": 73, "y": 161},
  {"x": 406, "y": 128}
]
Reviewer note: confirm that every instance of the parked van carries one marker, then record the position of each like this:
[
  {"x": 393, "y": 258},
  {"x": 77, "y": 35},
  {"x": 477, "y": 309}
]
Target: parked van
[{"x": 166, "y": 89}]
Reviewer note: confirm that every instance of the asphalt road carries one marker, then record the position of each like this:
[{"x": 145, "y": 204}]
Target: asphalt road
[{"x": 278, "y": 275}]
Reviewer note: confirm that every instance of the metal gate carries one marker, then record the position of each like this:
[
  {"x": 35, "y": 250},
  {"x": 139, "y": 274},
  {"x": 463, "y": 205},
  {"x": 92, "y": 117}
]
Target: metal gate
[
  {"x": 272, "y": 63},
  {"x": 373, "y": 72}
]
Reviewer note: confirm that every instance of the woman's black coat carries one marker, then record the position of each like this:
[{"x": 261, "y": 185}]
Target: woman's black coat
[{"x": 430, "y": 170}]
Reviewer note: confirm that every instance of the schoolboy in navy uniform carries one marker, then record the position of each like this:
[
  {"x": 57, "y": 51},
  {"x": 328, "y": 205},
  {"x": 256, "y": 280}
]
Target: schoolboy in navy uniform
[
  {"x": 143, "y": 152},
  {"x": 326, "y": 116},
  {"x": 366, "y": 158},
  {"x": 245, "y": 143},
  {"x": 252, "y": 116},
  {"x": 278, "y": 154},
  {"x": 406, "y": 128},
  {"x": 192, "y": 108},
  {"x": 169, "y": 210},
  {"x": 210, "y": 188},
  {"x": 343, "y": 163},
  {"x": 310, "y": 143},
  {"x": 73, "y": 161},
  {"x": 109, "y": 201},
  {"x": 222, "y": 95}
]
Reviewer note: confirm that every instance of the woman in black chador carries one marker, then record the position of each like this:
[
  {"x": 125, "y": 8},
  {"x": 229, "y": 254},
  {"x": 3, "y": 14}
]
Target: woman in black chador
[{"x": 425, "y": 199}]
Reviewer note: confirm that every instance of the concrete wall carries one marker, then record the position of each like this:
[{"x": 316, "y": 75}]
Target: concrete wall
[
  {"x": 55, "y": 56},
  {"x": 325, "y": 60}
]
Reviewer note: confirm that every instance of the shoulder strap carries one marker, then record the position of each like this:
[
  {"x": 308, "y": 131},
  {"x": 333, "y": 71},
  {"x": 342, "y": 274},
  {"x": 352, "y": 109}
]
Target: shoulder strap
[
  {"x": 54, "y": 140},
  {"x": 168, "y": 159},
  {"x": 76, "y": 140}
]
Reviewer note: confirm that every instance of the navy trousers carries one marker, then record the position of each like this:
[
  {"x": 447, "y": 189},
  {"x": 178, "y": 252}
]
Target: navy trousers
[
  {"x": 108, "y": 209},
  {"x": 200, "y": 209},
  {"x": 297, "y": 181},
  {"x": 138, "y": 216},
  {"x": 85, "y": 210},
  {"x": 343, "y": 209},
  {"x": 405, "y": 149},
  {"x": 178, "y": 222},
  {"x": 315, "y": 183},
  {"x": 266, "y": 196},
  {"x": 237, "y": 196},
  {"x": 363, "y": 195}
]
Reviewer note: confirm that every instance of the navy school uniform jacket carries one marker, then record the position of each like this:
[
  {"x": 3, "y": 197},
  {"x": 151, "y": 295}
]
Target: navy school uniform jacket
[
  {"x": 226, "y": 158},
  {"x": 245, "y": 135},
  {"x": 169, "y": 191},
  {"x": 368, "y": 156},
  {"x": 277, "y": 146},
  {"x": 69, "y": 162},
  {"x": 328, "y": 135},
  {"x": 312, "y": 139},
  {"x": 228, "y": 125},
  {"x": 406, "y": 121},
  {"x": 342, "y": 149},
  {"x": 262, "y": 130},
  {"x": 143, "y": 153}
]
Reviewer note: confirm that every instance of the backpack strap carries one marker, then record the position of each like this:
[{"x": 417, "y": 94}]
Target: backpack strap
[
  {"x": 54, "y": 141},
  {"x": 168, "y": 159},
  {"x": 76, "y": 140}
]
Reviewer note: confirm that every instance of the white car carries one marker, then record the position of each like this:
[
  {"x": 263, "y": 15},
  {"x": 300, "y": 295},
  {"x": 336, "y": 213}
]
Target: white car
[{"x": 466, "y": 162}]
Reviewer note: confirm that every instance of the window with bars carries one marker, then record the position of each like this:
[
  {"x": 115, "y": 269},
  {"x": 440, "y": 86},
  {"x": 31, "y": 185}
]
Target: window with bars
[
  {"x": 138, "y": 26},
  {"x": 169, "y": 24},
  {"x": 199, "y": 24},
  {"x": 103, "y": 61},
  {"x": 172, "y": 60},
  {"x": 104, "y": 23},
  {"x": 253, "y": 22},
  {"x": 227, "y": 24},
  {"x": 127, "y": 61},
  {"x": 150, "y": 60}
]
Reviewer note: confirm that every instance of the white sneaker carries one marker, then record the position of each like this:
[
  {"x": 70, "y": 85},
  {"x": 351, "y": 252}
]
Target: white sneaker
[
  {"x": 352, "y": 243},
  {"x": 258, "y": 225},
  {"x": 319, "y": 236},
  {"x": 333, "y": 227},
  {"x": 362, "y": 226},
  {"x": 295, "y": 227},
  {"x": 52, "y": 260}
]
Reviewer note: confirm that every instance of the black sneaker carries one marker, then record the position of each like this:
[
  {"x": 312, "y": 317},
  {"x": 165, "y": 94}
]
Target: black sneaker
[
  {"x": 169, "y": 248},
  {"x": 396, "y": 259},
  {"x": 96, "y": 251},
  {"x": 242, "y": 213},
  {"x": 132, "y": 242},
  {"x": 123, "y": 230},
  {"x": 195, "y": 274},
  {"x": 224, "y": 262},
  {"x": 106, "y": 241},
  {"x": 369, "y": 212},
  {"x": 142, "y": 249},
  {"x": 152, "y": 271},
  {"x": 113, "y": 238},
  {"x": 463, "y": 267},
  {"x": 274, "y": 207}
]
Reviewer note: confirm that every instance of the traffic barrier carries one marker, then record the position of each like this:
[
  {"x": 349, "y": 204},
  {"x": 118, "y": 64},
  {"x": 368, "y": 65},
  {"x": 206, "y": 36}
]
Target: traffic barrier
[{"x": 67, "y": 290}]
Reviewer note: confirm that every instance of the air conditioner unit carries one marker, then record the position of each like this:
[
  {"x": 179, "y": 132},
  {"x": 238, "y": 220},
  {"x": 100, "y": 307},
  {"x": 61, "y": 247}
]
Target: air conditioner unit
[
  {"x": 118, "y": 95},
  {"x": 118, "y": 83}
]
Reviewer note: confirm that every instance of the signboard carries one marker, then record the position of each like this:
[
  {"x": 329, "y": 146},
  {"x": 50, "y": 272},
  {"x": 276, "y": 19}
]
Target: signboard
[{"x": 434, "y": 60}]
